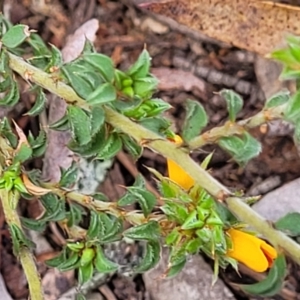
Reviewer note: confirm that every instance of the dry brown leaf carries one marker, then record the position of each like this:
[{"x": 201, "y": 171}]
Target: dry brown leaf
[
  {"x": 258, "y": 26},
  {"x": 21, "y": 135},
  {"x": 33, "y": 189},
  {"x": 170, "y": 79}
]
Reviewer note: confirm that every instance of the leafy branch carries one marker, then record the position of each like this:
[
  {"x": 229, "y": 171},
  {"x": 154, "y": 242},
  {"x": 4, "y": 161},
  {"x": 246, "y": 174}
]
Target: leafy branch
[{"x": 170, "y": 150}]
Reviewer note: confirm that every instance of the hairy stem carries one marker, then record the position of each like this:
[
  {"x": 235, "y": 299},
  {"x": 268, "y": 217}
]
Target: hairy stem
[
  {"x": 25, "y": 255},
  {"x": 230, "y": 128},
  {"x": 171, "y": 151}
]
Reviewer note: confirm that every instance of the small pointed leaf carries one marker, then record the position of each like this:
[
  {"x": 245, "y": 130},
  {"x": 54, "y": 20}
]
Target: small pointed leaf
[
  {"x": 80, "y": 125},
  {"x": 195, "y": 120},
  {"x": 103, "y": 94},
  {"x": 15, "y": 36},
  {"x": 234, "y": 103},
  {"x": 149, "y": 232}
]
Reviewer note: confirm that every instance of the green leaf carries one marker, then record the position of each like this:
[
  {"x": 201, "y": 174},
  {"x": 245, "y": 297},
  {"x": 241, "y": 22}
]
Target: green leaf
[
  {"x": 194, "y": 246},
  {"x": 23, "y": 154},
  {"x": 100, "y": 196},
  {"x": 133, "y": 148},
  {"x": 70, "y": 263},
  {"x": 129, "y": 107},
  {"x": 292, "y": 112},
  {"x": 140, "y": 182},
  {"x": 88, "y": 47},
  {"x": 156, "y": 124},
  {"x": 112, "y": 146},
  {"x": 97, "y": 119},
  {"x": 127, "y": 199},
  {"x": 39, "y": 105},
  {"x": 38, "y": 144},
  {"x": 55, "y": 215},
  {"x": 101, "y": 63},
  {"x": 5, "y": 84},
  {"x": 151, "y": 257},
  {"x": 68, "y": 176},
  {"x": 57, "y": 260},
  {"x": 289, "y": 73},
  {"x": 35, "y": 225},
  {"x": 234, "y": 103},
  {"x": 85, "y": 273},
  {"x": 80, "y": 124},
  {"x": 241, "y": 148},
  {"x": 122, "y": 80},
  {"x": 296, "y": 134},
  {"x": 75, "y": 214},
  {"x": 112, "y": 228},
  {"x": 177, "y": 261},
  {"x": 6, "y": 131},
  {"x": 15, "y": 36},
  {"x": 175, "y": 211},
  {"x": 144, "y": 87},
  {"x": 290, "y": 224},
  {"x": 192, "y": 221},
  {"x": 50, "y": 202},
  {"x": 278, "y": 99},
  {"x": 175, "y": 269},
  {"x": 78, "y": 83},
  {"x": 94, "y": 228},
  {"x": 87, "y": 255},
  {"x": 62, "y": 124},
  {"x": 103, "y": 264},
  {"x": 80, "y": 297},
  {"x": 149, "y": 231},
  {"x": 76, "y": 246},
  {"x": 93, "y": 148},
  {"x": 272, "y": 284},
  {"x": 19, "y": 239},
  {"x": 4, "y": 62},
  {"x": 145, "y": 199},
  {"x": 141, "y": 67},
  {"x": 106, "y": 92},
  {"x": 172, "y": 237},
  {"x": 195, "y": 120},
  {"x": 38, "y": 45},
  {"x": 56, "y": 58},
  {"x": 13, "y": 95}
]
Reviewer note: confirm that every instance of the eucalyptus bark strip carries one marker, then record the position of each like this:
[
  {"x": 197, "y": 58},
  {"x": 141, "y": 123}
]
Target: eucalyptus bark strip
[
  {"x": 254, "y": 25},
  {"x": 168, "y": 150}
]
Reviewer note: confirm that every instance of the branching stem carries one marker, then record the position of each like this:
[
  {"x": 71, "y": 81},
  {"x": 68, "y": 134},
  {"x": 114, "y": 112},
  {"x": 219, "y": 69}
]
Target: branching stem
[{"x": 169, "y": 150}]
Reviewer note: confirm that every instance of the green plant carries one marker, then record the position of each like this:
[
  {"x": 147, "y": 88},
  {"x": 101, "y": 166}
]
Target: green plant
[{"x": 109, "y": 109}]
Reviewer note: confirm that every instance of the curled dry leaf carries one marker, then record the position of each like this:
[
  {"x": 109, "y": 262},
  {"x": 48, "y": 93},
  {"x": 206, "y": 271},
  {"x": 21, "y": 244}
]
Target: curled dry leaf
[
  {"x": 21, "y": 135},
  {"x": 33, "y": 189},
  {"x": 170, "y": 79}
]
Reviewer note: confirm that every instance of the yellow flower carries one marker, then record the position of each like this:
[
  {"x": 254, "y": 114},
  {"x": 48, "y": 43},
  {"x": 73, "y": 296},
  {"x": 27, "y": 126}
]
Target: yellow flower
[
  {"x": 251, "y": 250},
  {"x": 176, "y": 173}
]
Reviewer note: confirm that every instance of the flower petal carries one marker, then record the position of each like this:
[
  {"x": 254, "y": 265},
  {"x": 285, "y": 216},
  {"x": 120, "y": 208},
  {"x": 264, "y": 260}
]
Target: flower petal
[
  {"x": 176, "y": 173},
  {"x": 250, "y": 250},
  {"x": 269, "y": 252}
]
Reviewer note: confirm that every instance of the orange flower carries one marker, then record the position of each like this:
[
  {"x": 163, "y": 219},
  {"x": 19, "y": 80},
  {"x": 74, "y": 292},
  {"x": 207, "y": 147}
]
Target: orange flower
[
  {"x": 251, "y": 251},
  {"x": 176, "y": 173}
]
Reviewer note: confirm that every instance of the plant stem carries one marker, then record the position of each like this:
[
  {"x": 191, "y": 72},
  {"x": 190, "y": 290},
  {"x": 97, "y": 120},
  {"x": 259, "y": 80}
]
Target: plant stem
[
  {"x": 171, "y": 151},
  {"x": 9, "y": 200},
  {"x": 25, "y": 255},
  {"x": 230, "y": 128}
]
